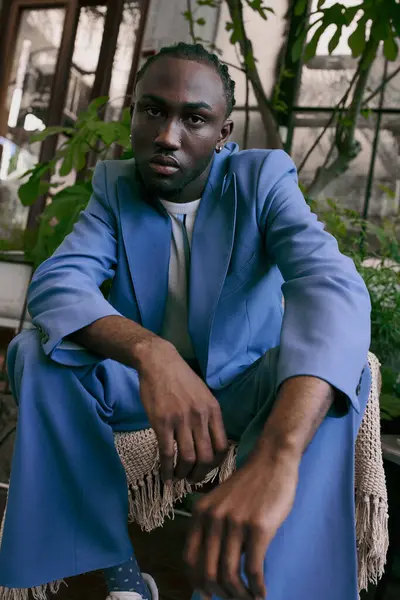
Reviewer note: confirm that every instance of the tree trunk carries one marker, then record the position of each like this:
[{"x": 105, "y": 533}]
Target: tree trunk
[{"x": 274, "y": 139}]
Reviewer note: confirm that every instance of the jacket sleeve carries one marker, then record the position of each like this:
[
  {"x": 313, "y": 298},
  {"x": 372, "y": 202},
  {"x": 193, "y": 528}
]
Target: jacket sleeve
[
  {"x": 326, "y": 324},
  {"x": 64, "y": 294}
]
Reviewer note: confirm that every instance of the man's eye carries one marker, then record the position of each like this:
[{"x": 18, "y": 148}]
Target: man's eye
[
  {"x": 153, "y": 112},
  {"x": 195, "y": 120}
]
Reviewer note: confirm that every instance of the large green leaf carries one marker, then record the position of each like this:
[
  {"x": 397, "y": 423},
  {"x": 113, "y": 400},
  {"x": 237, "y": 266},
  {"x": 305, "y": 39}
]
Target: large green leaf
[
  {"x": 126, "y": 117},
  {"x": 57, "y": 222},
  {"x": 80, "y": 190},
  {"x": 335, "y": 39},
  {"x": 107, "y": 132},
  {"x": 122, "y": 135},
  {"x": 350, "y": 14},
  {"x": 357, "y": 40},
  {"x": 67, "y": 164},
  {"x": 390, "y": 48},
  {"x": 300, "y": 7},
  {"x": 96, "y": 104},
  {"x": 396, "y": 19},
  {"x": 80, "y": 159},
  {"x": 29, "y": 191},
  {"x": 312, "y": 45},
  {"x": 390, "y": 407},
  {"x": 49, "y": 131}
]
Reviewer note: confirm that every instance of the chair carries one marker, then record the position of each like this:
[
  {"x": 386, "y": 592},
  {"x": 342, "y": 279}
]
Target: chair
[{"x": 150, "y": 503}]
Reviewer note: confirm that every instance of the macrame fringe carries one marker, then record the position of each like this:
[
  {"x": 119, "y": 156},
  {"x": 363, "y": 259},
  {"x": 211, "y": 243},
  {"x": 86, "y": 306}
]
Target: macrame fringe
[
  {"x": 37, "y": 593},
  {"x": 372, "y": 539},
  {"x": 151, "y": 502}
]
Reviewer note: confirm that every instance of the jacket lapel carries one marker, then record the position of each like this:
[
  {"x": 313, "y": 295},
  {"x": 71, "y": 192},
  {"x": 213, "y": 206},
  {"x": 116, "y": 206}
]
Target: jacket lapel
[
  {"x": 212, "y": 244},
  {"x": 146, "y": 234}
]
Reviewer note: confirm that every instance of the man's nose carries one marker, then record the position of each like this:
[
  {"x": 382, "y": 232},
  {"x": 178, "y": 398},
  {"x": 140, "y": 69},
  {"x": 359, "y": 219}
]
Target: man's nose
[{"x": 169, "y": 135}]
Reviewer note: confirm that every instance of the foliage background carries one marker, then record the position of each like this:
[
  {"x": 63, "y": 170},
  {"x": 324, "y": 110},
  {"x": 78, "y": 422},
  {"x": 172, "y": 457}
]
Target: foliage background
[{"x": 377, "y": 26}]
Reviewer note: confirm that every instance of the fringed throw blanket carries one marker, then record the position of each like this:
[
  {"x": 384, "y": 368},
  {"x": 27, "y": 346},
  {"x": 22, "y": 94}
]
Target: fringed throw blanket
[{"x": 150, "y": 502}]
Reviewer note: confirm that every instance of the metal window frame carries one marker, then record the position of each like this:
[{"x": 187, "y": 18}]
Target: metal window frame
[
  {"x": 290, "y": 95},
  {"x": 10, "y": 16}
]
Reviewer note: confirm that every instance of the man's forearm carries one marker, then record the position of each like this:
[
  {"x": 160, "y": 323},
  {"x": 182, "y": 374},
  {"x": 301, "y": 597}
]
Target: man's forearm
[
  {"x": 301, "y": 406},
  {"x": 119, "y": 338}
]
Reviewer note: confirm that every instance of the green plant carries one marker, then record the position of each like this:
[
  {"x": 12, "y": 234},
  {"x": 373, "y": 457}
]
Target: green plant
[
  {"x": 90, "y": 134},
  {"x": 375, "y": 250},
  {"x": 377, "y": 24}
]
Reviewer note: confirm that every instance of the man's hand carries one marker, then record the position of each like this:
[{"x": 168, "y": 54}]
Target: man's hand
[
  {"x": 181, "y": 408},
  {"x": 238, "y": 518},
  {"x": 178, "y": 404}
]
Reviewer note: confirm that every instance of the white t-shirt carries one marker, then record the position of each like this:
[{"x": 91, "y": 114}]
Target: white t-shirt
[{"x": 175, "y": 326}]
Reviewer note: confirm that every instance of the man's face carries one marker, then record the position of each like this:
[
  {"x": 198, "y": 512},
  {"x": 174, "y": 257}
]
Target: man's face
[{"x": 177, "y": 123}]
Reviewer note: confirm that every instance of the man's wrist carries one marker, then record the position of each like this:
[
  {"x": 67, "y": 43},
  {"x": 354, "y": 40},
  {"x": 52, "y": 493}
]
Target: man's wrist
[
  {"x": 149, "y": 350},
  {"x": 275, "y": 446}
]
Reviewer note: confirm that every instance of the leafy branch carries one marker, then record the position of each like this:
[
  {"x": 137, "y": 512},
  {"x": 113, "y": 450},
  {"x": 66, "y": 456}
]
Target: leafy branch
[
  {"x": 89, "y": 133},
  {"x": 240, "y": 37},
  {"x": 377, "y": 23}
]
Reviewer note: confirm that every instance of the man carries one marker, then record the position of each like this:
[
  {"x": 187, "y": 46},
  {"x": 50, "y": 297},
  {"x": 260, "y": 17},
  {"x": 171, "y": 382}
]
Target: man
[{"x": 200, "y": 240}]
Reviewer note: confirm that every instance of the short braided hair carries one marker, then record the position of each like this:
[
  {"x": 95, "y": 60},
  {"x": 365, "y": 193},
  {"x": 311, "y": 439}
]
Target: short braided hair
[{"x": 196, "y": 53}]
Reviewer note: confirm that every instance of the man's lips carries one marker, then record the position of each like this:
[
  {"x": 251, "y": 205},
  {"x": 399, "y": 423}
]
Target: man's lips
[{"x": 164, "y": 165}]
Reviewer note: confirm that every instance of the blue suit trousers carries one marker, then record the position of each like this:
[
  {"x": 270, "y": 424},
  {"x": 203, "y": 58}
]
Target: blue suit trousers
[{"x": 68, "y": 504}]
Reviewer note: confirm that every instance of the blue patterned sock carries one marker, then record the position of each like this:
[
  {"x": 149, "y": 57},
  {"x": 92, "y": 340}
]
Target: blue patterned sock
[{"x": 127, "y": 578}]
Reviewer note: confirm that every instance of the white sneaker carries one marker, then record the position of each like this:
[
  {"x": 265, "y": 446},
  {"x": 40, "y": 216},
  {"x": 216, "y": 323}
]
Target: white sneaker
[{"x": 151, "y": 584}]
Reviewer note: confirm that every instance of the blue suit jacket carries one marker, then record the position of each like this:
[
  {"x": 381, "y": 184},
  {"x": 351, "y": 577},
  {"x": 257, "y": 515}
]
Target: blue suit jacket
[{"x": 253, "y": 233}]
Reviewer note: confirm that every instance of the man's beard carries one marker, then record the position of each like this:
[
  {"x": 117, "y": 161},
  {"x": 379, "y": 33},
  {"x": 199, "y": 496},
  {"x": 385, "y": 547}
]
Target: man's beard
[{"x": 166, "y": 189}]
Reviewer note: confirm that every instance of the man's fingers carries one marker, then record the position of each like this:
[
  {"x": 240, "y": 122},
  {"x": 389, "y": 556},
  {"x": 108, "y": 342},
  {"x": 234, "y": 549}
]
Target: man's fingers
[
  {"x": 167, "y": 454},
  {"x": 186, "y": 452},
  {"x": 204, "y": 453},
  {"x": 218, "y": 433},
  {"x": 255, "y": 550},
  {"x": 230, "y": 578},
  {"x": 202, "y": 555},
  {"x": 212, "y": 555},
  {"x": 193, "y": 547}
]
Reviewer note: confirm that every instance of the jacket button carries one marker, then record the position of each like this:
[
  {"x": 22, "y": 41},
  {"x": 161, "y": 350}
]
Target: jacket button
[{"x": 358, "y": 388}]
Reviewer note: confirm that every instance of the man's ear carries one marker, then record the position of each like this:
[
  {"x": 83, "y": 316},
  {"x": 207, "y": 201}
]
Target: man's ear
[{"x": 226, "y": 132}]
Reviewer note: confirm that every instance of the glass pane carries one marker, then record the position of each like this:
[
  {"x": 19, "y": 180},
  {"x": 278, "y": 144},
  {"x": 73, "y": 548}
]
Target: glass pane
[
  {"x": 325, "y": 79},
  {"x": 123, "y": 58},
  {"x": 85, "y": 58},
  {"x": 392, "y": 88},
  {"x": 348, "y": 188},
  {"x": 35, "y": 58}
]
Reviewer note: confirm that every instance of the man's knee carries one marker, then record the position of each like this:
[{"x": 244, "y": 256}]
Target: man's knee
[
  {"x": 25, "y": 347},
  {"x": 26, "y": 360}
]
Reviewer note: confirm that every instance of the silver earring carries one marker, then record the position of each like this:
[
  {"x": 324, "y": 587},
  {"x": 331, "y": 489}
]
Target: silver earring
[{"x": 218, "y": 149}]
